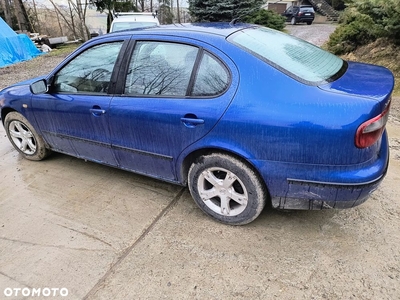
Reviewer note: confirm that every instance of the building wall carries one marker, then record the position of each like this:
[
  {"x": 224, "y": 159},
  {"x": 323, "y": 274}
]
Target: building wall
[
  {"x": 282, "y": 5},
  {"x": 277, "y": 7}
]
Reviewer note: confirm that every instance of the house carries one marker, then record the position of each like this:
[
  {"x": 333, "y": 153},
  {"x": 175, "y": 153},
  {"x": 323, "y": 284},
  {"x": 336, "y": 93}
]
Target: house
[
  {"x": 320, "y": 6},
  {"x": 280, "y": 6}
]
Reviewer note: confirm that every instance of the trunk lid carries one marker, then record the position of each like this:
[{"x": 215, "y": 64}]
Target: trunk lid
[{"x": 364, "y": 80}]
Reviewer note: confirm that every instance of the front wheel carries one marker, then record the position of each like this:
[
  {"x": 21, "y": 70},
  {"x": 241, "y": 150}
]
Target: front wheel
[
  {"x": 226, "y": 189},
  {"x": 24, "y": 137}
]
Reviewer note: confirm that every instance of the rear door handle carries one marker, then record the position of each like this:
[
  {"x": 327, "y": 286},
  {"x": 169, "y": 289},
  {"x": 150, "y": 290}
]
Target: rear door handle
[{"x": 192, "y": 122}]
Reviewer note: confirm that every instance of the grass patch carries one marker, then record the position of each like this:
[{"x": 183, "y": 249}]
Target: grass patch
[
  {"x": 64, "y": 50},
  {"x": 381, "y": 52},
  {"x": 40, "y": 65}
]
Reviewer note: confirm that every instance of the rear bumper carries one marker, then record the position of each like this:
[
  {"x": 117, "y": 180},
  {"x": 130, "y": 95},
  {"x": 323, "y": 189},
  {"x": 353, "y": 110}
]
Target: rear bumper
[
  {"x": 336, "y": 196},
  {"x": 302, "y": 186},
  {"x": 304, "y": 19}
]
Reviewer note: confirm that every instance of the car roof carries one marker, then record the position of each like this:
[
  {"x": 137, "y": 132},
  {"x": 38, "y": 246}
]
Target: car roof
[
  {"x": 222, "y": 29},
  {"x": 127, "y": 14}
]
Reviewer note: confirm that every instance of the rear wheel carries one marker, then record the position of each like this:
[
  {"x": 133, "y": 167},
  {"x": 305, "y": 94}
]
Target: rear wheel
[
  {"x": 293, "y": 21},
  {"x": 309, "y": 22},
  {"x": 226, "y": 189},
  {"x": 24, "y": 137}
]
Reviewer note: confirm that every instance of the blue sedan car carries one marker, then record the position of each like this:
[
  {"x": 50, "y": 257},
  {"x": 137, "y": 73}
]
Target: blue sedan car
[{"x": 244, "y": 115}]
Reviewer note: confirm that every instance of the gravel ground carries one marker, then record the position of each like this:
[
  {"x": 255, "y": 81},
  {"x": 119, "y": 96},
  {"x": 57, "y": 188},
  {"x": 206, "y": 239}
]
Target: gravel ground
[
  {"x": 38, "y": 66},
  {"x": 345, "y": 254},
  {"x": 316, "y": 34}
]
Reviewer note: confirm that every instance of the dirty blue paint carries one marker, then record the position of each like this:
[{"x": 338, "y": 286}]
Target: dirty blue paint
[{"x": 299, "y": 137}]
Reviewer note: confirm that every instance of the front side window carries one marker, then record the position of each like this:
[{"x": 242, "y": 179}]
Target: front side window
[
  {"x": 160, "y": 68},
  {"x": 297, "y": 58},
  {"x": 90, "y": 72}
]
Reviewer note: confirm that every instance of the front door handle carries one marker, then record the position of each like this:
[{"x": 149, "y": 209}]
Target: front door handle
[{"x": 97, "y": 111}]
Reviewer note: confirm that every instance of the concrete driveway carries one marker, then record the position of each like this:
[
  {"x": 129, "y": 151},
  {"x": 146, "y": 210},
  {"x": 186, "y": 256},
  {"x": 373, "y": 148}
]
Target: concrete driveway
[{"x": 94, "y": 232}]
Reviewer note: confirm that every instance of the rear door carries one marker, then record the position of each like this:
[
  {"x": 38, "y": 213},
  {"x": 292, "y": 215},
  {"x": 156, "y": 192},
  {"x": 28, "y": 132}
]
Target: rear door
[
  {"x": 164, "y": 107},
  {"x": 288, "y": 13}
]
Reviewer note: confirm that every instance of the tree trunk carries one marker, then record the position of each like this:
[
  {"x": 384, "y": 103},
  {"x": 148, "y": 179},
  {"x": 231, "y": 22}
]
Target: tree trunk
[
  {"x": 37, "y": 29},
  {"x": 5, "y": 5},
  {"x": 81, "y": 10},
  {"x": 59, "y": 24},
  {"x": 72, "y": 20},
  {"x": 22, "y": 16},
  {"x": 178, "y": 12}
]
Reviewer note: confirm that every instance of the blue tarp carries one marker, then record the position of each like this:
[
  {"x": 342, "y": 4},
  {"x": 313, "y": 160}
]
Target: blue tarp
[{"x": 15, "y": 47}]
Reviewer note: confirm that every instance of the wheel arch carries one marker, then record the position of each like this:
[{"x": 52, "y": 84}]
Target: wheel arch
[
  {"x": 35, "y": 147},
  {"x": 5, "y": 111},
  {"x": 192, "y": 156}
]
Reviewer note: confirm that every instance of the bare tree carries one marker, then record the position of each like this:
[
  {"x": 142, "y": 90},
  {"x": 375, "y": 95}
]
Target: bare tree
[
  {"x": 16, "y": 9},
  {"x": 77, "y": 15},
  {"x": 51, "y": 23},
  {"x": 37, "y": 29},
  {"x": 81, "y": 8},
  {"x": 5, "y": 6},
  {"x": 177, "y": 11}
]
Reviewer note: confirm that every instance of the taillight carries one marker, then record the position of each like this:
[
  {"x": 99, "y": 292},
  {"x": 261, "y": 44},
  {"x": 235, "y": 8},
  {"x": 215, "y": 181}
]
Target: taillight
[{"x": 370, "y": 131}]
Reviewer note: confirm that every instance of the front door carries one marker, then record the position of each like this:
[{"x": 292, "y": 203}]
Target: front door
[{"x": 73, "y": 117}]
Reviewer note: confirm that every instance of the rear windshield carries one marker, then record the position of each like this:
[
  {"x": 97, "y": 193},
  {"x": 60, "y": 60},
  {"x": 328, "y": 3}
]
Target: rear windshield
[
  {"x": 307, "y": 9},
  {"x": 301, "y": 60}
]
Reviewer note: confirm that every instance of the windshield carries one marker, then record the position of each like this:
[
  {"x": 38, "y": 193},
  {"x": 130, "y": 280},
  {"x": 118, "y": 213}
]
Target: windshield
[
  {"x": 131, "y": 25},
  {"x": 301, "y": 60}
]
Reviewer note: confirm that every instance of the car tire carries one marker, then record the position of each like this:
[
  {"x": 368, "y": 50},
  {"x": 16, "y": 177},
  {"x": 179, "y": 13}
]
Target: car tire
[
  {"x": 24, "y": 137},
  {"x": 309, "y": 23},
  {"x": 226, "y": 189},
  {"x": 293, "y": 21}
]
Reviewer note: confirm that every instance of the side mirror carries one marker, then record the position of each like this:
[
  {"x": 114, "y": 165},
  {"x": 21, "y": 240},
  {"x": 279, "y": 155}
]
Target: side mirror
[{"x": 39, "y": 87}]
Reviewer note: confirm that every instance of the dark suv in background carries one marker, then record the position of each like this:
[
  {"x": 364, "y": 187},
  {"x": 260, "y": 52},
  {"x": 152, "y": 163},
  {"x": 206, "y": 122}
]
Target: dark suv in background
[{"x": 300, "y": 14}]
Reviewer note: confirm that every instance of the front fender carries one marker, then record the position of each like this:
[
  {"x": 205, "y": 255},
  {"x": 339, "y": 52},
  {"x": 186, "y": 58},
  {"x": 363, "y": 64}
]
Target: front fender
[{"x": 17, "y": 98}]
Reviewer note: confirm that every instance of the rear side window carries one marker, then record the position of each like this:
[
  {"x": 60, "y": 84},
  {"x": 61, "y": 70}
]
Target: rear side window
[
  {"x": 212, "y": 77},
  {"x": 301, "y": 60}
]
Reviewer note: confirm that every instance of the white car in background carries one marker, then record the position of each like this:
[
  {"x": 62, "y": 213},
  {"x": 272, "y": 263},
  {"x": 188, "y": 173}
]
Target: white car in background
[{"x": 130, "y": 20}]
